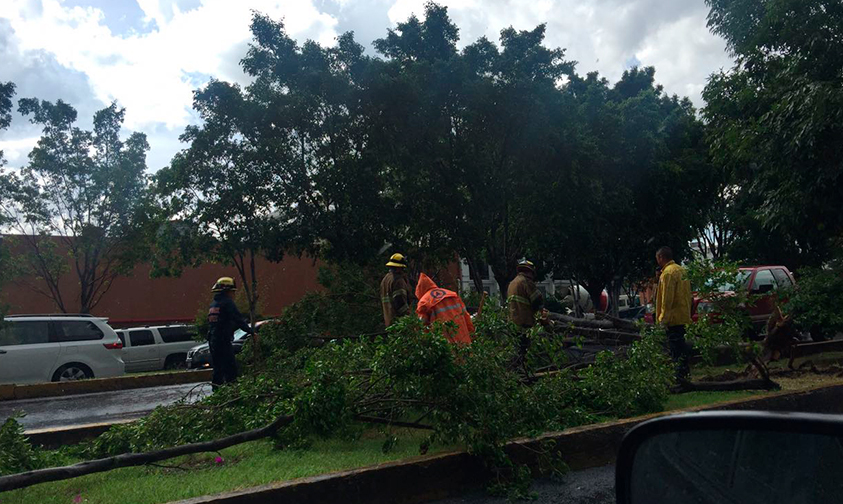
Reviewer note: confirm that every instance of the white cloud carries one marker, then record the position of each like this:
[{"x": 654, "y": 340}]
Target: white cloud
[
  {"x": 154, "y": 73},
  {"x": 16, "y": 151},
  {"x": 602, "y": 35},
  {"x": 146, "y": 72}
]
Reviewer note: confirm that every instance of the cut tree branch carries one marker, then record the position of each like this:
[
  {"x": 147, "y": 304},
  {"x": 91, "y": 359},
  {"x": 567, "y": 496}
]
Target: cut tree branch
[{"x": 26, "y": 479}]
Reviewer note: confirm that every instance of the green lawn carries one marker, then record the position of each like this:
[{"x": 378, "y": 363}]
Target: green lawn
[
  {"x": 691, "y": 399},
  {"x": 244, "y": 466}
]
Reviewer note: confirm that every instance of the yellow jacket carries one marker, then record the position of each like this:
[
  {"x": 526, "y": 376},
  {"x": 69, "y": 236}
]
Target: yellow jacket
[{"x": 673, "y": 300}]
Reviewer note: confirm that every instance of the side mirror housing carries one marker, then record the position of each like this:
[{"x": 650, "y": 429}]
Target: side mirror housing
[{"x": 746, "y": 457}]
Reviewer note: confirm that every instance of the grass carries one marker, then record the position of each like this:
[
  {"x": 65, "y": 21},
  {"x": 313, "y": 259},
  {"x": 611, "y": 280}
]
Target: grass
[
  {"x": 691, "y": 399},
  {"x": 244, "y": 466}
]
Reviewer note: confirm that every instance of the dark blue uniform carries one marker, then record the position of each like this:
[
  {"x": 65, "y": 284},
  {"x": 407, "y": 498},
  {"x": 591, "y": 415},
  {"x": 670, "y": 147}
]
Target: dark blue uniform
[{"x": 224, "y": 318}]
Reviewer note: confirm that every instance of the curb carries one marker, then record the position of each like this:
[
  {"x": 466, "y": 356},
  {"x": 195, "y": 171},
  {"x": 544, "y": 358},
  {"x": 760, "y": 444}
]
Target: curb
[
  {"x": 421, "y": 479},
  {"x": 37, "y": 390}
]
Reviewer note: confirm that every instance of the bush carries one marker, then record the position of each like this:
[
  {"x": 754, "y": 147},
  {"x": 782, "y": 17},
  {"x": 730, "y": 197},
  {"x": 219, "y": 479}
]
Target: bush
[
  {"x": 349, "y": 306},
  {"x": 816, "y": 302},
  {"x": 17, "y": 455},
  {"x": 728, "y": 322},
  {"x": 633, "y": 386}
]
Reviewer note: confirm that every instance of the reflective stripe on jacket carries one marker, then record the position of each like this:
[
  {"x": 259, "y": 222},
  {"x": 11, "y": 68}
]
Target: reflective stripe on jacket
[
  {"x": 443, "y": 305},
  {"x": 673, "y": 299},
  {"x": 395, "y": 297},
  {"x": 524, "y": 300}
]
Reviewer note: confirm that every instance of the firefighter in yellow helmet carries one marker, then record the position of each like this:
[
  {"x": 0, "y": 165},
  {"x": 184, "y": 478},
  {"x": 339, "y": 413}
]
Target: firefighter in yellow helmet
[
  {"x": 524, "y": 300},
  {"x": 223, "y": 319},
  {"x": 395, "y": 290},
  {"x": 523, "y": 297}
]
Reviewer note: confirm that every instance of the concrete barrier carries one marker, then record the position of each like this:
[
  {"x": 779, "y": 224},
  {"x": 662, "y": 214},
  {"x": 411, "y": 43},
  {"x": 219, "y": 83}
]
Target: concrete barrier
[
  {"x": 36, "y": 390},
  {"x": 426, "y": 478}
]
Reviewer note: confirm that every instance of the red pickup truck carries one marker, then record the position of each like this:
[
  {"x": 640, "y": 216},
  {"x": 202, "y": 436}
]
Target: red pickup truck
[
  {"x": 763, "y": 280},
  {"x": 760, "y": 280}
]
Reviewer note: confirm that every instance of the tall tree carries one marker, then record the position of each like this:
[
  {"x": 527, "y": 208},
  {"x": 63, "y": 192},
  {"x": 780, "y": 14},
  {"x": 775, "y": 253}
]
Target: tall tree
[
  {"x": 317, "y": 120},
  {"x": 226, "y": 196},
  {"x": 639, "y": 157},
  {"x": 82, "y": 199},
  {"x": 471, "y": 134},
  {"x": 7, "y": 91},
  {"x": 777, "y": 116}
]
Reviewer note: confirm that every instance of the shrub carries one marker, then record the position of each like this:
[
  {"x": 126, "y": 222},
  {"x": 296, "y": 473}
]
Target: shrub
[{"x": 816, "y": 302}]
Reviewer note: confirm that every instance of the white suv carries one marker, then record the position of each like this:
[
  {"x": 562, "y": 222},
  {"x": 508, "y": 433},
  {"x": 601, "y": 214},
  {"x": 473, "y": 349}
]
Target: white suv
[
  {"x": 157, "y": 347},
  {"x": 43, "y": 348}
]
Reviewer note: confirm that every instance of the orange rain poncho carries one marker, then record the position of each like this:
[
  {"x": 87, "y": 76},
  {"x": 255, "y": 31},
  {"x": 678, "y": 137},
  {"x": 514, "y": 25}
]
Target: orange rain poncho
[{"x": 444, "y": 305}]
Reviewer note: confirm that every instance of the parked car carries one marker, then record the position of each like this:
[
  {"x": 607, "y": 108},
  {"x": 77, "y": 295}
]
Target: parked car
[
  {"x": 200, "y": 355},
  {"x": 43, "y": 348},
  {"x": 156, "y": 347},
  {"x": 760, "y": 280}
]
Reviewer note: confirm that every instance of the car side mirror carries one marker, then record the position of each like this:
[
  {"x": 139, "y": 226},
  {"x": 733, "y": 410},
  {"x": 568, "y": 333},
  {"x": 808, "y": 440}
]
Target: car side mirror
[{"x": 734, "y": 457}]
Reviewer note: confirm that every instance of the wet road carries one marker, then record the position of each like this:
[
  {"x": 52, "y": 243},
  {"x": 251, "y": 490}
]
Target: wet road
[
  {"x": 591, "y": 486},
  {"x": 82, "y": 409}
]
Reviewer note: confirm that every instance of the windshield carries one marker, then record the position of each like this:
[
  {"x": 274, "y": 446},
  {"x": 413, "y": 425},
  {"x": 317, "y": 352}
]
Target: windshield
[{"x": 239, "y": 334}]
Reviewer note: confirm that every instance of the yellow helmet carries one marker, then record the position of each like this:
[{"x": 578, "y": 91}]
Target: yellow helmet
[
  {"x": 525, "y": 265},
  {"x": 224, "y": 284},
  {"x": 397, "y": 261}
]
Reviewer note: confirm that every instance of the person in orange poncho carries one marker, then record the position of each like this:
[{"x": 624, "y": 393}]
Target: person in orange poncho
[{"x": 444, "y": 305}]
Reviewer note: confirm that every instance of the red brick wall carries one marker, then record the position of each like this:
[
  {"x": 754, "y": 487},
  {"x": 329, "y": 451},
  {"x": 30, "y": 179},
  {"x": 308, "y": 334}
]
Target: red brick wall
[{"x": 139, "y": 297}]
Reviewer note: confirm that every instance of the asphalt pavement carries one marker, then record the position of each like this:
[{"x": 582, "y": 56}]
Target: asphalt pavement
[
  {"x": 82, "y": 409},
  {"x": 591, "y": 486}
]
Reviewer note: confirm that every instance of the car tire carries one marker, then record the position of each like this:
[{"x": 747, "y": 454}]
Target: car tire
[
  {"x": 176, "y": 361},
  {"x": 73, "y": 371}
]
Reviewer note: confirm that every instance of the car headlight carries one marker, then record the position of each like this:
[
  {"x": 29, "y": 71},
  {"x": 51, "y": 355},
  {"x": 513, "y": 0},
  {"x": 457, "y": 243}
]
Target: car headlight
[{"x": 704, "y": 308}]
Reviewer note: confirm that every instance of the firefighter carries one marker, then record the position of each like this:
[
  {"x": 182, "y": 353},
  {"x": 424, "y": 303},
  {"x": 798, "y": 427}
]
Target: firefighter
[
  {"x": 523, "y": 297},
  {"x": 223, "y": 319},
  {"x": 446, "y": 306},
  {"x": 524, "y": 300},
  {"x": 395, "y": 290}
]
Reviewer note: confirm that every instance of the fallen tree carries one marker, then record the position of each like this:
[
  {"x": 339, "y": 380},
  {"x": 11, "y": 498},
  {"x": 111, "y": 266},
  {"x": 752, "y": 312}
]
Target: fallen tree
[{"x": 411, "y": 378}]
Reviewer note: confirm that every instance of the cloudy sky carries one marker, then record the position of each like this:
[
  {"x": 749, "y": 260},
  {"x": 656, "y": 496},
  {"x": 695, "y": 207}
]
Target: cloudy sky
[{"x": 150, "y": 54}]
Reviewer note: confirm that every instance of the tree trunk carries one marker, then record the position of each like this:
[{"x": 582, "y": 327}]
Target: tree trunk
[
  {"x": 614, "y": 294},
  {"x": 474, "y": 273},
  {"x": 22, "y": 480},
  {"x": 253, "y": 303},
  {"x": 502, "y": 278}
]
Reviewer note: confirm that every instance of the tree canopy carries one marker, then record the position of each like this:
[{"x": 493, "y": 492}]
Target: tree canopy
[
  {"x": 491, "y": 153},
  {"x": 776, "y": 119},
  {"x": 227, "y": 194},
  {"x": 88, "y": 189}
]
